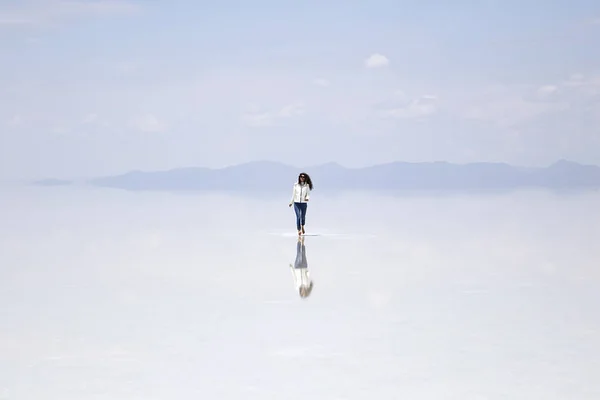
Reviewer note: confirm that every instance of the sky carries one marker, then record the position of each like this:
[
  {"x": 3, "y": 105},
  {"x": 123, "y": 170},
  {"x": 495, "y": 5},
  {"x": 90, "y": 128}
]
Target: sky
[{"x": 91, "y": 88}]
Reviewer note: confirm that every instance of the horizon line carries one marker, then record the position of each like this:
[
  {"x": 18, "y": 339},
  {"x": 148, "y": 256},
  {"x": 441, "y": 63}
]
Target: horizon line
[
  {"x": 241, "y": 164},
  {"x": 560, "y": 160}
]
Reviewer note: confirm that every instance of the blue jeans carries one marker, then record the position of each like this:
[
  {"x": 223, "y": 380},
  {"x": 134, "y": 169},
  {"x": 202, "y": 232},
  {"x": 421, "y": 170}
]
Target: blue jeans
[
  {"x": 300, "y": 256},
  {"x": 300, "y": 209}
]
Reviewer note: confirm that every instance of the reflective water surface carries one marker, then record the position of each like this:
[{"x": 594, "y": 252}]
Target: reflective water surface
[{"x": 106, "y": 294}]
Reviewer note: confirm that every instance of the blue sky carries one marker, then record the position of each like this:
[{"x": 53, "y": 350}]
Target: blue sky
[{"x": 100, "y": 87}]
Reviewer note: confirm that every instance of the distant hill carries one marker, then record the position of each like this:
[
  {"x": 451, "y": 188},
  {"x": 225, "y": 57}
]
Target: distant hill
[{"x": 260, "y": 176}]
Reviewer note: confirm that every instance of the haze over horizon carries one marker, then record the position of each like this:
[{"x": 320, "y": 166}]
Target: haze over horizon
[{"x": 95, "y": 88}]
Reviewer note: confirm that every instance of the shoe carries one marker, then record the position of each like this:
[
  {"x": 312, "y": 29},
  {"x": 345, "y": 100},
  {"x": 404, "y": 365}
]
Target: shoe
[{"x": 303, "y": 230}]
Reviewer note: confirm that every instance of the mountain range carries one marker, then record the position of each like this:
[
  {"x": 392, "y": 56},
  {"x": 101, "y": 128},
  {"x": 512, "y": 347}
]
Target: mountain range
[{"x": 265, "y": 175}]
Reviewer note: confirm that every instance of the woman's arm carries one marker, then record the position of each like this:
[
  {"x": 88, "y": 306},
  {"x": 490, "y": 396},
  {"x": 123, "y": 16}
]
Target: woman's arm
[{"x": 293, "y": 195}]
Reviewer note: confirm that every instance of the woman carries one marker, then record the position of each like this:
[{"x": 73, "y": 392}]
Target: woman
[
  {"x": 300, "y": 197},
  {"x": 302, "y": 280}
]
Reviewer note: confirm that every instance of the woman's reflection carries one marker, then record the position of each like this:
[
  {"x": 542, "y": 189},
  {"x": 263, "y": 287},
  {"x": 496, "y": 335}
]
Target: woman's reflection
[{"x": 302, "y": 280}]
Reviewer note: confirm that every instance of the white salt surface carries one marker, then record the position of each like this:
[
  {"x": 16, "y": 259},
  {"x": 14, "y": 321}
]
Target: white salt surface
[{"x": 106, "y": 294}]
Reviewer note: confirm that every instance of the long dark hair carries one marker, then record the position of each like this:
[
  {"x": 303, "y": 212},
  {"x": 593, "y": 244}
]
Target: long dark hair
[{"x": 306, "y": 179}]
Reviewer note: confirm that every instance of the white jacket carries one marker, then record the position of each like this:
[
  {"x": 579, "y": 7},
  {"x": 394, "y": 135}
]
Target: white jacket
[
  {"x": 301, "y": 277},
  {"x": 300, "y": 193}
]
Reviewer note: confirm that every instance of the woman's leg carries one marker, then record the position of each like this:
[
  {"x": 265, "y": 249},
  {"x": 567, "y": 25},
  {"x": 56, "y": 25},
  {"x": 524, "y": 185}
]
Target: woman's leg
[
  {"x": 298, "y": 215},
  {"x": 303, "y": 215}
]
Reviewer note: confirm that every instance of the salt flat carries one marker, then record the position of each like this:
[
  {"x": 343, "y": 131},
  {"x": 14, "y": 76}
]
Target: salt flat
[{"x": 107, "y": 294}]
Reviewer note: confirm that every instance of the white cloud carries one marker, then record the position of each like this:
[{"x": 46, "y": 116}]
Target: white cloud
[
  {"x": 51, "y": 11},
  {"x": 505, "y": 109},
  {"x": 377, "y": 61},
  {"x": 547, "y": 90},
  {"x": 322, "y": 82},
  {"x": 416, "y": 108},
  {"x": 97, "y": 7},
  {"x": 14, "y": 19},
  {"x": 509, "y": 106},
  {"x": 16, "y": 120},
  {"x": 258, "y": 119},
  {"x": 291, "y": 111},
  {"x": 576, "y": 89},
  {"x": 576, "y": 77},
  {"x": 582, "y": 85},
  {"x": 269, "y": 118},
  {"x": 147, "y": 123},
  {"x": 90, "y": 118}
]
